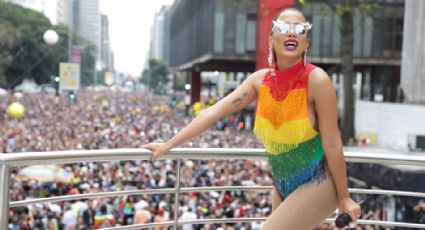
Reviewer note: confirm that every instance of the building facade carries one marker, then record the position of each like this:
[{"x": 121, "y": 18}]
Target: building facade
[
  {"x": 160, "y": 35},
  {"x": 391, "y": 125},
  {"x": 106, "y": 53},
  {"x": 231, "y": 36},
  {"x": 87, "y": 23},
  {"x": 378, "y": 35},
  {"x": 213, "y": 35}
]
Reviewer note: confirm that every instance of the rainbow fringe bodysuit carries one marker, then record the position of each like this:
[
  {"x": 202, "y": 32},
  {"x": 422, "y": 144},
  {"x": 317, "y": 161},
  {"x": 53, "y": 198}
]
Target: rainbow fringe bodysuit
[{"x": 293, "y": 146}]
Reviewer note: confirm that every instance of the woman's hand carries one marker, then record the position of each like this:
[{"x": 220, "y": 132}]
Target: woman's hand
[
  {"x": 350, "y": 207},
  {"x": 158, "y": 149}
]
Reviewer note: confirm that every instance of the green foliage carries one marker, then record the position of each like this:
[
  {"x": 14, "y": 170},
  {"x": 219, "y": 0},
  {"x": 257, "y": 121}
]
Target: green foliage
[
  {"x": 2, "y": 80},
  {"x": 156, "y": 76},
  {"x": 343, "y": 7},
  {"x": 145, "y": 77},
  {"x": 9, "y": 38},
  {"x": 367, "y": 8},
  {"x": 24, "y": 54},
  {"x": 87, "y": 66},
  {"x": 345, "y": 10},
  {"x": 100, "y": 76},
  {"x": 342, "y": 10}
]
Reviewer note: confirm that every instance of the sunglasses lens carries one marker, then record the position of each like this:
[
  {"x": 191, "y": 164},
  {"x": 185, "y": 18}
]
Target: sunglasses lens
[
  {"x": 299, "y": 29},
  {"x": 284, "y": 28}
]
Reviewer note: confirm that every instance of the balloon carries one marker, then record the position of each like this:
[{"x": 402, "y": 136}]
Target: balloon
[
  {"x": 197, "y": 106},
  {"x": 16, "y": 110}
]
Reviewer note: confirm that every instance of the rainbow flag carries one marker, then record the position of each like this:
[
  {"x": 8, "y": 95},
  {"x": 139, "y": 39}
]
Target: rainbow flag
[{"x": 292, "y": 144}]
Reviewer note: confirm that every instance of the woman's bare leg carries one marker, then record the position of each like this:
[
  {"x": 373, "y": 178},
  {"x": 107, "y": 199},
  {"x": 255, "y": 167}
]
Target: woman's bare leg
[
  {"x": 304, "y": 208},
  {"x": 276, "y": 200}
]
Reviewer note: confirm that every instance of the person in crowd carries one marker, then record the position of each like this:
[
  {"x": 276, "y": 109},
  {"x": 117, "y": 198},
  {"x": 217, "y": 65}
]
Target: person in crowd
[{"x": 115, "y": 119}]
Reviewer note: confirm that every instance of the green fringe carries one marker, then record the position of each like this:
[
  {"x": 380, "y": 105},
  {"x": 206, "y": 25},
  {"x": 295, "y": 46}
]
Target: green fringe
[{"x": 286, "y": 165}]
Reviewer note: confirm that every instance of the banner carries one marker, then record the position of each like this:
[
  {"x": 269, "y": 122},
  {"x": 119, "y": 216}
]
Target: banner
[
  {"x": 69, "y": 76},
  {"x": 76, "y": 54},
  {"x": 109, "y": 78}
]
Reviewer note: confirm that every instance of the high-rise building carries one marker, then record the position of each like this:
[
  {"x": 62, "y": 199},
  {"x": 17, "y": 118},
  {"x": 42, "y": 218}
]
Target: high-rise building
[
  {"x": 66, "y": 8},
  {"x": 111, "y": 60},
  {"x": 60, "y": 11},
  {"x": 87, "y": 23},
  {"x": 105, "y": 44},
  {"x": 160, "y": 35},
  {"x": 52, "y": 9}
]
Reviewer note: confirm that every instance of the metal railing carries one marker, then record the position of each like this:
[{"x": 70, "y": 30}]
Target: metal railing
[{"x": 59, "y": 157}]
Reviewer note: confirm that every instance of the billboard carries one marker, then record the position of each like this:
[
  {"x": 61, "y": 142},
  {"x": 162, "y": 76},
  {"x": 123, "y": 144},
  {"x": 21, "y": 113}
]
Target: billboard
[
  {"x": 69, "y": 76},
  {"x": 109, "y": 78}
]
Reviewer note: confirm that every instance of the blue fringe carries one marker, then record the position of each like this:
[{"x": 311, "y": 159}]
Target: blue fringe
[{"x": 314, "y": 173}]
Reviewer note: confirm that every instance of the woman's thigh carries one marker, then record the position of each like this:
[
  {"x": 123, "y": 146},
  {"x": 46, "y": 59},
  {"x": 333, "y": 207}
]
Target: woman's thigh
[
  {"x": 276, "y": 199},
  {"x": 304, "y": 208}
]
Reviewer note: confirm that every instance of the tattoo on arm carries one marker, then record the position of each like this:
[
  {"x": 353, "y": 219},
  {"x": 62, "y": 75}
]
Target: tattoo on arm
[{"x": 238, "y": 101}]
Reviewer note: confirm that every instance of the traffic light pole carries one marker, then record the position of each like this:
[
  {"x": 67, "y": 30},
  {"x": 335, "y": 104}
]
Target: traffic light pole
[{"x": 56, "y": 82}]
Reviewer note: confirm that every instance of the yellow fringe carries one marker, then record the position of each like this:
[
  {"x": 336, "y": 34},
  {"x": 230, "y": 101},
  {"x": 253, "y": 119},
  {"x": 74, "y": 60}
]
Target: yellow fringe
[{"x": 284, "y": 138}]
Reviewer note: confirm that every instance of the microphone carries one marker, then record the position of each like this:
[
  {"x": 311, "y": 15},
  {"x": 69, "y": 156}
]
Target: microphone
[{"x": 344, "y": 219}]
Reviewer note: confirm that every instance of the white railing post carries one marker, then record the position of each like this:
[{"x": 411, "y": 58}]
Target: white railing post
[
  {"x": 4, "y": 196},
  {"x": 177, "y": 196}
]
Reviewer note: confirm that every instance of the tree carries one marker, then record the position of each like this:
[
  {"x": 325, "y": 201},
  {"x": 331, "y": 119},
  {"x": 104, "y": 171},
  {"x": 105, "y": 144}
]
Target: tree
[
  {"x": 144, "y": 79},
  {"x": 100, "y": 76},
  {"x": 9, "y": 38},
  {"x": 87, "y": 65},
  {"x": 156, "y": 77},
  {"x": 24, "y": 54},
  {"x": 345, "y": 10},
  {"x": 31, "y": 56},
  {"x": 347, "y": 42}
]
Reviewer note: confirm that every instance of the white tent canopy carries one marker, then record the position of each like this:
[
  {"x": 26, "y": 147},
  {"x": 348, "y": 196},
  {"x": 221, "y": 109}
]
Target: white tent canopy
[{"x": 2, "y": 92}]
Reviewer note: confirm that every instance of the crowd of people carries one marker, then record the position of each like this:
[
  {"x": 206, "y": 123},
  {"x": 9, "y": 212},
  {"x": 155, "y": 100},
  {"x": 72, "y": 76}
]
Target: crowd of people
[{"x": 115, "y": 119}]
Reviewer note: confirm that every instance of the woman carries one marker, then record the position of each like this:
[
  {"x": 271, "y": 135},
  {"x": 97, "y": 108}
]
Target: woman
[{"x": 297, "y": 122}]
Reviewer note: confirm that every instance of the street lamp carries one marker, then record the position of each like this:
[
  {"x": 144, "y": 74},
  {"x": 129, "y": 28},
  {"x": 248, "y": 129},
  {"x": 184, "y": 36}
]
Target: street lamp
[
  {"x": 187, "y": 98},
  {"x": 51, "y": 37}
]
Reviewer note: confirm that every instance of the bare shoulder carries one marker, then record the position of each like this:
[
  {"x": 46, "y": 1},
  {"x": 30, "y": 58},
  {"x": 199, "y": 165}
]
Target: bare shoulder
[
  {"x": 257, "y": 77},
  {"x": 318, "y": 77},
  {"x": 319, "y": 82}
]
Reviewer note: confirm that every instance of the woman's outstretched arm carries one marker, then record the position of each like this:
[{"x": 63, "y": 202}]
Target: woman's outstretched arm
[
  {"x": 240, "y": 98},
  {"x": 325, "y": 104}
]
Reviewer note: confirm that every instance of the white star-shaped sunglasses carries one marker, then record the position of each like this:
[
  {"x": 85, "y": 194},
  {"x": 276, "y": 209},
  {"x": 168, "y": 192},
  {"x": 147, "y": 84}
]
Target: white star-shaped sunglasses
[{"x": 299, "y": 28}]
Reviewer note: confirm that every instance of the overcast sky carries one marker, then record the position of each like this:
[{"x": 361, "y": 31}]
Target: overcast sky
[{"x": 129, "y": 28}]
